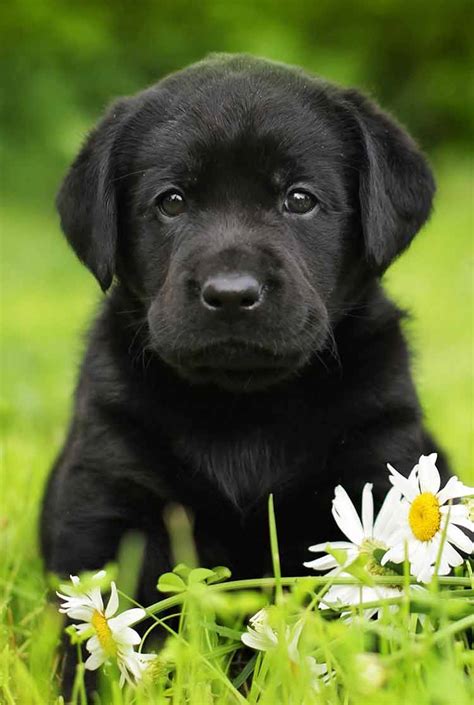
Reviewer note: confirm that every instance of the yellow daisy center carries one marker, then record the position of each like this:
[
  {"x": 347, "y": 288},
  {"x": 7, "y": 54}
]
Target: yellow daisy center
[
  {"x": 424, "y": 516},
  {"x": 104, "y": 633}
]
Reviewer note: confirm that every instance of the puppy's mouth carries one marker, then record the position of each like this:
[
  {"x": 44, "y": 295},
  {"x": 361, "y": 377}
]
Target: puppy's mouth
[{"x": 236, "y": 366}]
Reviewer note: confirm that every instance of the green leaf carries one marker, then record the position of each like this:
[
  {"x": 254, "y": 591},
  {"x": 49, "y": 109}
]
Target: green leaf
[
  {"x": 220, "y": 573},
  {"x": 338, "y": 553},
  {"x": 170, "y": 582},
  {"x": 378, "y": 554},
  {"x": 245, "y": 673},
  {"x": 233, "y": 634},
  {"x": 199, "y": 575},
  {"x": 356, "y": 568},
  {"x": 182, "y": 570},
  {"x": 358, "y": 571}
]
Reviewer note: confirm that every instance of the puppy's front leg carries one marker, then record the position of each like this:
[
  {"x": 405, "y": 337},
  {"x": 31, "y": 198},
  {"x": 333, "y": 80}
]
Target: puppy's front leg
[
  {"x": 77, "y": 534},
  {"x": 85, "y": 515},
  {"x": 81, "y": 523}
]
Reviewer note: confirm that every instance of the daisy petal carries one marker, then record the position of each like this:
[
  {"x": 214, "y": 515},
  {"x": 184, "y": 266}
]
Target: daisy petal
[
  {"x": 96, "y": 598},
  {"x": 93, "y": 644},
  {"x": 134, "y": 667},
  {"x": 339, "y": 594},
  {"x": 428, "y": 475},
  {"x": 453, "y": 558},
  {"x": 454, "y": 489},
  {"x": 387, "y": 518},
  {"x": 422, "y": 557},
  {"x": 371, "y": 612},
  {"x": 293, "y": 644},
  {"x": 423, "y": 571},
  {"x": 444, "y": 568},
  {"x": 400, "y": 534},
  {"x": 112, "y": 605},
  {"x": 324, "y": 563},
  {"x": 260, "y": 617},
  {"x": 95, "y": 660},
  {"x": 127, "y": 636},
  {"x": 257, "y": 641},
  {"x": 454, "y": 510},
  {"x": 127, "y": 618},
  {"x": 318, "y": 547},
  {"x": 462, "y": 521},
  {"x": 457, "y": 514},
  {"x": 346, "y": 516},
  {"x": 84, "y": 614},
  {"x": 407, "y": 486},
  {"x": 367, "y": 509},
  {"x": 319, "y": 669},
  {"x": 459, "y": 539},
  {"x": 396, "y": 554},
  {"x": 83, "y": 628},
  {"x": 99, "y": 575}
]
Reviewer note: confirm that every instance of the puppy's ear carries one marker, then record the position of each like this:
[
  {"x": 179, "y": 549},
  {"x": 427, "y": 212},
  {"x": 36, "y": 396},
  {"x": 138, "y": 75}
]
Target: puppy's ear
[
  {"x": 86, "y": 201},
  {"x": 396, "y": 185}
]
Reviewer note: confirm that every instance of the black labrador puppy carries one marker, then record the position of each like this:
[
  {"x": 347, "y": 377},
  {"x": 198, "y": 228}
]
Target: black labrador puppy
[{"x": 240, "y": 213}]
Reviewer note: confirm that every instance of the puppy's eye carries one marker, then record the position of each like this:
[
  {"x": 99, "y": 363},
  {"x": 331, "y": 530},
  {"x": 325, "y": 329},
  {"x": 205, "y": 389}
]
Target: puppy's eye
[
  {"x": 171, "y": 203},
  {"x": 299, "y": 201}
]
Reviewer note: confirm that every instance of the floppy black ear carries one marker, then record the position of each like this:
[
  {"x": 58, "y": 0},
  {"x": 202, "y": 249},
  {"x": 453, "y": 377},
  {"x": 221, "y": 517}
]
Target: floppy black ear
[
  {"x": 396, "y": 185},
  {"x": 86, "y": 201}
]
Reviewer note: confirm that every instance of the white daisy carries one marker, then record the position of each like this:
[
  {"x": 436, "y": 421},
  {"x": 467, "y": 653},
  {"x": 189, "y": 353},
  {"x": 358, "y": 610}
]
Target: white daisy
[
  {"x": 365, "y": 536},
  {"x": 426, "y": 516},
  {"x": 111, "y": 637},
  {"x": 259, "y": 634},
  {"x": 262, "y": 637}
]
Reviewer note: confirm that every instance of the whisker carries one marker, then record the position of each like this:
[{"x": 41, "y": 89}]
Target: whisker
[{"x": 131, "y": 173}]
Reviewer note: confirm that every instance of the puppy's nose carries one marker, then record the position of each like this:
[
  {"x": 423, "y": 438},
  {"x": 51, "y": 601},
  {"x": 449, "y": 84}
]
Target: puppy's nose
[{"x": 231, "y": 293}]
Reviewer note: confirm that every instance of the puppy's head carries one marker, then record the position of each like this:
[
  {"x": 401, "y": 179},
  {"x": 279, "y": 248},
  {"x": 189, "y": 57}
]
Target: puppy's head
[{"x": 245, "y": 203}]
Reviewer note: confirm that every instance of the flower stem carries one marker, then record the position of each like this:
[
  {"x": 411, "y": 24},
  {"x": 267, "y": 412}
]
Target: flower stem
[
  {"x": 313, "y": 581},
  {"x": 274, "y": 550},
  {"x": 459, "y": 626}
]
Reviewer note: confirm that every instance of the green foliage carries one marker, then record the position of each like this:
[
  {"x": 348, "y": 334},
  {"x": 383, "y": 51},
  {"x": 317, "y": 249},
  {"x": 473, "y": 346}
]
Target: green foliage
[
  {"x": 183, "y": 578},
  {"x": 62, "y": 62},
  {"x": 394, "y": 659}
]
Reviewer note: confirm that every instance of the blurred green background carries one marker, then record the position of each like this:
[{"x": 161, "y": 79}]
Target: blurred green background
[{"x": 63, "y": 61}]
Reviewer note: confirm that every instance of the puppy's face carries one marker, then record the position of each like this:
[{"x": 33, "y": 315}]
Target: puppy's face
[
  {"x": 241, "y": 198},
  {"x": 238, "y": 230}
]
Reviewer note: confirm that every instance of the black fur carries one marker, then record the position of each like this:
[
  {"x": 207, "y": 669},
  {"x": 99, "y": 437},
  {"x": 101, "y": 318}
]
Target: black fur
[{"x": 177, "y": 403}]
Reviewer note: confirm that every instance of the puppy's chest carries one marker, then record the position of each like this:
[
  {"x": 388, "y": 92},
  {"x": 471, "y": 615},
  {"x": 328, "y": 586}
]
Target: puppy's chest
[{"x": 244, "y": 467}]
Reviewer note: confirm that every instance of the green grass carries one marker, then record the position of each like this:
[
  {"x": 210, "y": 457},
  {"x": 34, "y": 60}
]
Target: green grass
[{"x": 47, "y": 300}]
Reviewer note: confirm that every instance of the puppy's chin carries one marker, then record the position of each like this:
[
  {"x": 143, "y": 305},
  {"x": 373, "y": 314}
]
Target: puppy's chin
[
  {"x": 237, "y": 381},
  {"x": 235, "y": 367}
]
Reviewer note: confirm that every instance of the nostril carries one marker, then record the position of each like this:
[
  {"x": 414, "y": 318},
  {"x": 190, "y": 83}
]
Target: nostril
[
  {"x": 212, "y": 300},
  {"x": 231, "y": 292},
  {"x": 249, "y": 301},
  {"x": 251, "y": 295}
]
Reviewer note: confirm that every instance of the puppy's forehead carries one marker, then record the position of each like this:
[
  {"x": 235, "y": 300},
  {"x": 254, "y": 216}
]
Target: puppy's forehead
[{"x": 277, "y": 128}]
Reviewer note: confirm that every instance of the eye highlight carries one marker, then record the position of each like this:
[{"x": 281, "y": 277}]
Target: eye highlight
[
  {"x": 171, "y": 203},
  {"x": 299, "y": 201}
]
